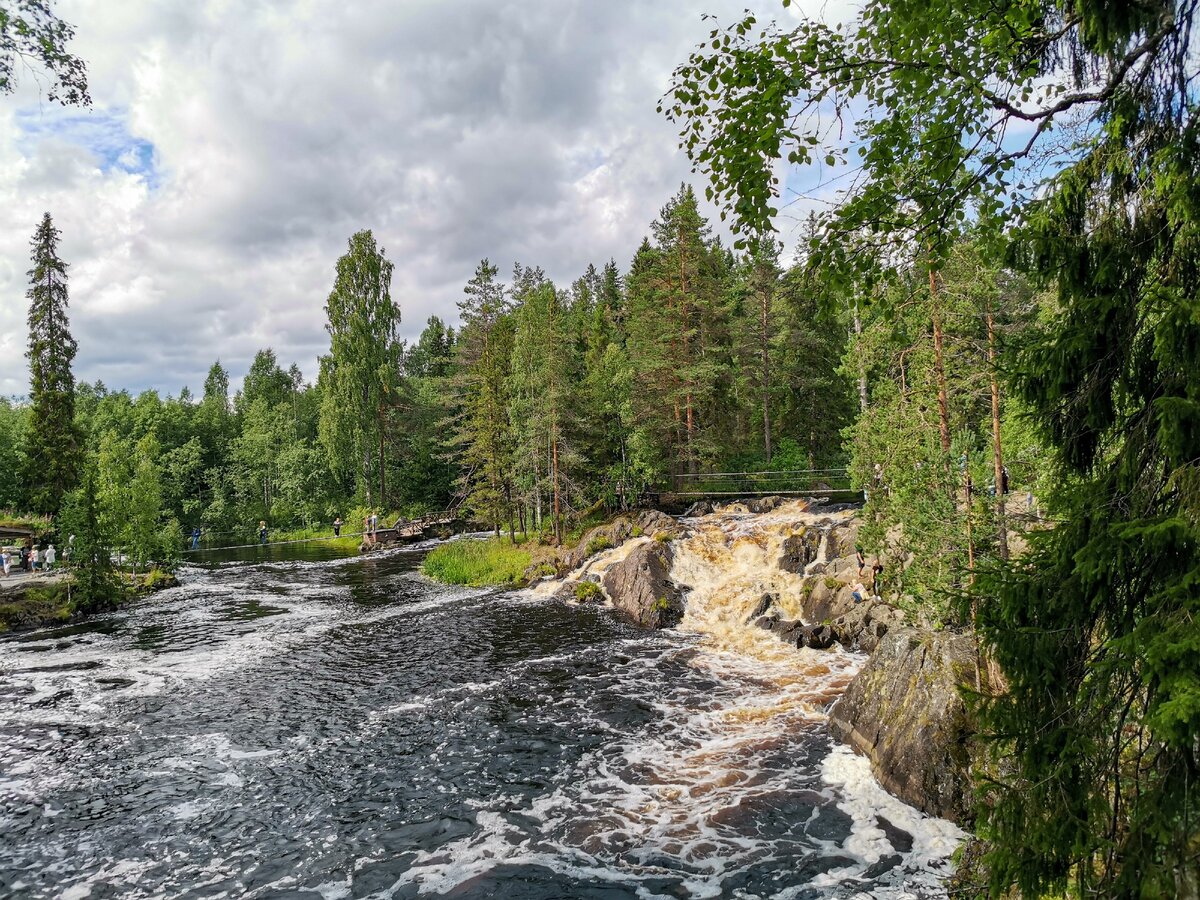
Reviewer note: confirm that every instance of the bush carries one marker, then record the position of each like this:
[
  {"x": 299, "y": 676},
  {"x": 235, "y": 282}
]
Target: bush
[
  {"x": 482, "y": 563},
  {"x": 664, "y": 537},
  {"x": 588, "y": 591}
]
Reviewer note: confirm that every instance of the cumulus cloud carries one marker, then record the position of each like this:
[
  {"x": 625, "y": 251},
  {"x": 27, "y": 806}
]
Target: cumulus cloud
[{"x": 234, "y": 148}]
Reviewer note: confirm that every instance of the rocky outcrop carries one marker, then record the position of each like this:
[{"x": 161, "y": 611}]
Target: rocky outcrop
[
  {"x": 865, "y": 624},
  {"x": 640, "y": 586},
  {"x": 818, "y": 637},
  {"x": 904, "y": 712},
  {"x": 799, "y": 550}
]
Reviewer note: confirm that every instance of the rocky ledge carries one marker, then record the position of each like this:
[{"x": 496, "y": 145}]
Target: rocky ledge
[{"x": 905, "y": 712}]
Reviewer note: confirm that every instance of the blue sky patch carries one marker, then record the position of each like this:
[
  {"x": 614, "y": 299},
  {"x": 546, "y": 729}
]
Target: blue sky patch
[{"x": 105, "y": 133}]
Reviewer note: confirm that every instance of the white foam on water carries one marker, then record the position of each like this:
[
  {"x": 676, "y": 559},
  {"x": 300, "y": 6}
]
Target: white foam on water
[{"x": 667, "y": 794}]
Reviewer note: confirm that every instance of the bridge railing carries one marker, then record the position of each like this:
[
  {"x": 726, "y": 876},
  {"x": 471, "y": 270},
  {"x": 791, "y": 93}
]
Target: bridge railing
[{"x": 783, "y": 482}]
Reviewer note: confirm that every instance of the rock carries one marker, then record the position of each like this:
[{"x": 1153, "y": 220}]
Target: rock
[
  {"x": 799, "y": 550},
  {"x": 787, "y": 630},
  {"x": 904, "y": 712},
  {"x": 767, "y": 623},
  {"x": 818, "y": 637},
  {"x": 699, "y": 508},
  {"x": 652, "y": 521},
  {"x": 760, "y": 505},
  {"x": 865, "y": 624},
  {"x": 765, "y": 602},
  {"x": 843, "y": 539},
  {"x": 597, "y": 540},
  {"x": 640, "y": 586},
  {"x": 828, "y": 599}
]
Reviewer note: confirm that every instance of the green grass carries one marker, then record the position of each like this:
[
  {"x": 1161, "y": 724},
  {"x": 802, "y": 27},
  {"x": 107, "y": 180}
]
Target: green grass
[{"x": 482, "y": 563}]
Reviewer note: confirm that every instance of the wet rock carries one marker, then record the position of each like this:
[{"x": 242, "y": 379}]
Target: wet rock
[
  {"x": 759, "y": 505},
  {"x": 597, "y": 540},
  {"x": 640, "y": 586},
  {"x": 765, "y": 602},
  {"x": 653, "y": 521},
  {"x": 904, "y": 712},
  {"x": 799, "y": 550},
  {"x": 818, "y": 637},
  {"x": 699, "y": 508},
  {"x": 767, "y": 623}
]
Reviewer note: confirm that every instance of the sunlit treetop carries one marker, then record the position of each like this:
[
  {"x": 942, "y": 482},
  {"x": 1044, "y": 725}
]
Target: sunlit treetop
[
  {"x": 935, "y": 111},
  {"x": 33, "y": 42}
]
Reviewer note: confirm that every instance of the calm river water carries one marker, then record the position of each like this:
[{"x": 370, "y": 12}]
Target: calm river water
[{"x": 330, "y": 728}]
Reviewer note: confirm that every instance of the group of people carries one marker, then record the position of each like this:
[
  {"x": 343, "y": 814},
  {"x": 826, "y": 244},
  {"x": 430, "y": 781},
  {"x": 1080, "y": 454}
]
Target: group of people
[
  {"x": 869, "y": 573},
  {"x": 29, "y": 558},
  {"x": 370, "y": 526}
]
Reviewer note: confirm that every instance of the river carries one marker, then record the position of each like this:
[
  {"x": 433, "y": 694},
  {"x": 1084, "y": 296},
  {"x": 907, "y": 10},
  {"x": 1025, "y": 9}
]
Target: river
[{"x": 342, "y": 727}]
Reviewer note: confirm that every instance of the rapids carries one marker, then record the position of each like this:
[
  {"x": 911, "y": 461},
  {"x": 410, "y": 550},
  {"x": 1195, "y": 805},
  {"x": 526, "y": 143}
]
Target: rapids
[{"x": 346, "y": 728}]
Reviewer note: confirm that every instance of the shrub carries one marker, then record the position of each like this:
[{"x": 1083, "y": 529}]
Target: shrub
[
  {"x": 664, "y": 537},
  {"x": 588, "y": 591}
]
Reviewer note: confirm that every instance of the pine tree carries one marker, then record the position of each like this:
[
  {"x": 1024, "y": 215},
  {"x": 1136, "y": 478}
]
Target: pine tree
[
  {"x": 483, "y": 429},
  {"x": 53, "y": 440}
]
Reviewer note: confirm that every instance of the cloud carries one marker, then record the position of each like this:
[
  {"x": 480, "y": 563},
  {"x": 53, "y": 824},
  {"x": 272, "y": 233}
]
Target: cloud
[{"x": 233, "y": 149}]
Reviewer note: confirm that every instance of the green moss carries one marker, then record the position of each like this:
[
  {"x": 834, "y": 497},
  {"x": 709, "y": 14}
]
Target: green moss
[
  {"x": 832, "y": 583},
  {"x": 598, "y": 543},
  {"x": 664, "y": 537},
  {"x": 662, "y": 604},
  {"x": 485, "y": 563},
  {"x": 37, "y": 606},
  {"x": 588, "y": 591}
]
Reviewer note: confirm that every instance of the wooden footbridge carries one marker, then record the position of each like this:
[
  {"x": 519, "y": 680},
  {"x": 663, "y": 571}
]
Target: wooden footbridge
[
  {"x": 405, "y": 530},
  {"x": 830, "y": 484}
]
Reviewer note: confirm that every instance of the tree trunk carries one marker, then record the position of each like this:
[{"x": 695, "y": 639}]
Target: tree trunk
[
  {"x": 764, "y": 323},
  {"x": 862, "y": 366},
  {"x": 997, "y": 455},
  {"x": 367, "y": 475},
  {"x": 382, "y": 466},
  {"x": 557, "y": 502},
  {"x": 939, "y": 368}
]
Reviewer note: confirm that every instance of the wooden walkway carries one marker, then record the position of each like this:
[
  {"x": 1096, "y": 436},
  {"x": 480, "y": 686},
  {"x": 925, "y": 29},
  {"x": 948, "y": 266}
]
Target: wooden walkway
[{"x": 833, "y": 484}]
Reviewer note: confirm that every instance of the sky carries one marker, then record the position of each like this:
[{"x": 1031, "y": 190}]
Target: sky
[{"x": 233, "y": 148}]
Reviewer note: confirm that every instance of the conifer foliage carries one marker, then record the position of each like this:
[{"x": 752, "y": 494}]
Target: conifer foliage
[{"x": 52, "y": 447}]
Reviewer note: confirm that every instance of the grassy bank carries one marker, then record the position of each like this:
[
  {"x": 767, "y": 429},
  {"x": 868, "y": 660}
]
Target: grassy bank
[
  {"x": 35, "y": 606},
  {"x": 484, "y": 563}
]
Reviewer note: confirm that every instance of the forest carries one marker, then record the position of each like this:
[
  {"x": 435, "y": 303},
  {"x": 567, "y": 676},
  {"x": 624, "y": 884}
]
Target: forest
[
  {"x": 549, "y": 404},
  {"x": 1003, "y": 294}
]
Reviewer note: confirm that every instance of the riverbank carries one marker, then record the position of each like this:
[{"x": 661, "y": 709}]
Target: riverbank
[{"x": 37, "y": 601}]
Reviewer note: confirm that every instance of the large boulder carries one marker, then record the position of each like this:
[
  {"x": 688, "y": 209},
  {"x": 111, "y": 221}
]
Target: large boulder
[
  {"x": 865, "y": 624},
  {"x": 799, "y": 550},
  {"x": 640, "y": 586},
  {"x": 826, "y": 599},
  {"x": 904, "y": 712},
  {"x": 653, "y": 521}
]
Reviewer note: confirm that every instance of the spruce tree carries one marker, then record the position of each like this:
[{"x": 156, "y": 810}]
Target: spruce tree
[{"x": 52, "y": 448}]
